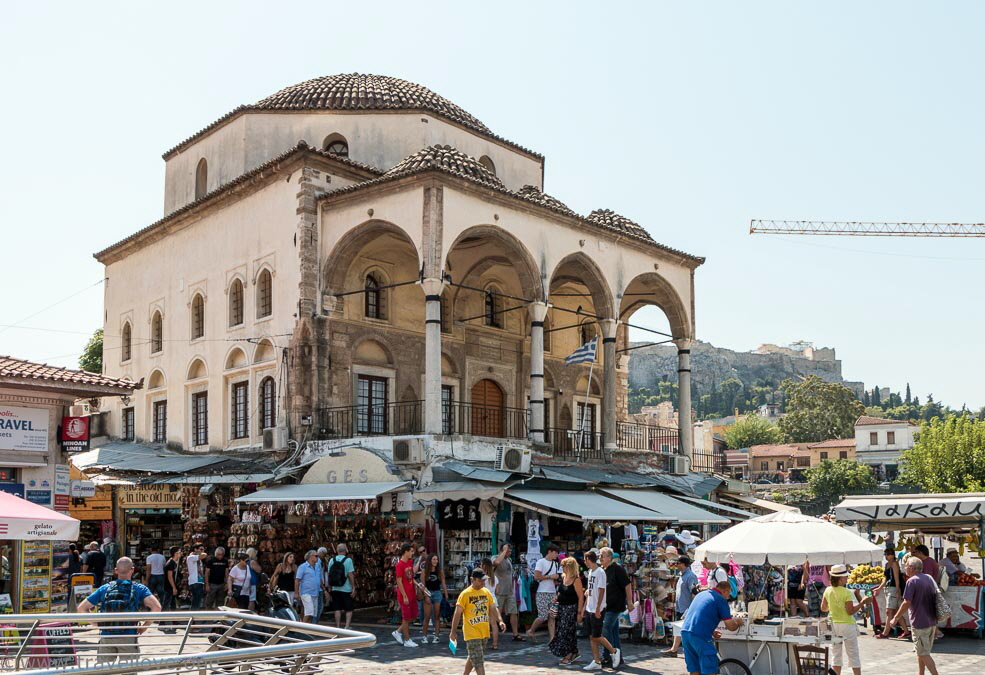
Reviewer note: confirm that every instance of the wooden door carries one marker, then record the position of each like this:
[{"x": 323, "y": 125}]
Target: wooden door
[{"x": 487, "y": 409}]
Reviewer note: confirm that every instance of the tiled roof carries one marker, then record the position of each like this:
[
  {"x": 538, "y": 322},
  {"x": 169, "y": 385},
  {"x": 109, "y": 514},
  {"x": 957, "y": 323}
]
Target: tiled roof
[
  {"x": 533, "y": 193},
  {"x": 42, "y": 373},
  {"x": 448, "y": 159},
  {"x": 834, "y": 443},
  {"x": 243, "y": 178},
  {"x": 357, "y": 92},
  {"x": 780, "y": 450},
  {"x": 613, "y": 221},
  {"x": 865, "y": 421}
]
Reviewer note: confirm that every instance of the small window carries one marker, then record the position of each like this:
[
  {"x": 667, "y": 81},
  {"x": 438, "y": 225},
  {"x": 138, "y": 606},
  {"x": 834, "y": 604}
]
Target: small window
[
  {"x": 160, "y": 419},
  {"x": 764, "y": 466},
  {"x": 493, "y": 309},
  {"x": 488, "y": 163},
  {"x": 447, "y": 409},
  {"x": 873, "y": 438},
  {"x": 547, "y": 334},
  {"x": 336, "y": 145},
  {"x": 445, "y": 318},
  {"x": 586, "y": 332},
  {"x": 779, "y": 466},
  {"x": 128, "y": 426},
  {"x": 239, "y": 410},
  {"x": 198, "y": 316},
  {"x": 824, "y": 455},
  {"x": 201, "y": 178},
  {"x": 374, "y": 299},
  {"x": 127, "y": 340},
  {"x": 265, "y": 297},
  {"x": 236, "y": 303},
  {"x": 843, "y": 454},
  {"x": 268, "y": 403},
  {"x": 157, "y": 333},
  {"x": 200, "y": 418},
  {"x": 890, "y": 438}
]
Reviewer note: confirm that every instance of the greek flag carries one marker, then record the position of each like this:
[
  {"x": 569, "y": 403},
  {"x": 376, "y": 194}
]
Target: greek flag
[{"x": 584, "y": 354}]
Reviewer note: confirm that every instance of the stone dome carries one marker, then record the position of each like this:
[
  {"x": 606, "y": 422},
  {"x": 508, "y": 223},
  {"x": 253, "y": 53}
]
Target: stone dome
[
  {"x": 356, "y": 91},
  {"x": 448, "y": 159}
]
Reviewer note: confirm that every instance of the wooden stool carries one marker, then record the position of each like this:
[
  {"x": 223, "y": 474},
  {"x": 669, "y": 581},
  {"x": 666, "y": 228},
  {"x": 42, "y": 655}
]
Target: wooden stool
[{"x": 811, "y": 660}]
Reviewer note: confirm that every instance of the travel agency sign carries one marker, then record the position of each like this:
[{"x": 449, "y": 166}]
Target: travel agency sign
[{"x": 23, "y": 429}]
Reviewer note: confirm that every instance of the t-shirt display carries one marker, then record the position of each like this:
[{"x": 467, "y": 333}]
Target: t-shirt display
[{"x": 475, "y": 606}]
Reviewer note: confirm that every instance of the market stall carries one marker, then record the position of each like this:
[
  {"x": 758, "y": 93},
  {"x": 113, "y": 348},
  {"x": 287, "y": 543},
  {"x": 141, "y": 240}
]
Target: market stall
[
  {"x": 959, "y": 517},
  {"x": 782, "y": 539}
]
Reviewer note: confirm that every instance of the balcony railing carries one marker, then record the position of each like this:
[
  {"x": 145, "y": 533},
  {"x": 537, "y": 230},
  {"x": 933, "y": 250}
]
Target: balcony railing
[
  {"x": 633, "y": 436},
  {"x": 574, "y": 446},
  {"x": 390, "y": 419},
  {"x": 483, "y": 420}
]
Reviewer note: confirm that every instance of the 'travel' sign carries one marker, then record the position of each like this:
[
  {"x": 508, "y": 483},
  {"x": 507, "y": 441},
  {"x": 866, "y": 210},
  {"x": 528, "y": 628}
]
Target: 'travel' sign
[{"x": 23, "y": 429}]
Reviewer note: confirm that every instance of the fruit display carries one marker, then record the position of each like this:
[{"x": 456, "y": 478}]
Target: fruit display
[
  {"x": 965, "y": 579},
  {"x": 866, "y": 574}
]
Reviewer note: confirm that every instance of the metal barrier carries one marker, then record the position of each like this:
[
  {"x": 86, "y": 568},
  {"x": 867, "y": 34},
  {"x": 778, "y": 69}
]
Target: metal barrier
[{"x": 225, "y": 641}]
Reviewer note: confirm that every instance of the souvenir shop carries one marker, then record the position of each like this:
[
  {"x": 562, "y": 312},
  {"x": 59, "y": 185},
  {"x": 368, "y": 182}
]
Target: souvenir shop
[
  {"x": 92, "y": 505},
  {"x": 151, "y": 516},
  {"x": 351, "y": 498}
]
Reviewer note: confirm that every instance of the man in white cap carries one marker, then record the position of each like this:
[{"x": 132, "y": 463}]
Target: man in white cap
[{"x": 952, "y": 563}]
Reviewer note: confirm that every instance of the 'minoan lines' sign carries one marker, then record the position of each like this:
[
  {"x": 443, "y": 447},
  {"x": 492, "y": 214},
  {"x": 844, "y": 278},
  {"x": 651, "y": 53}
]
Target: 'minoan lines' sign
[{"x": 23, "y": 429}]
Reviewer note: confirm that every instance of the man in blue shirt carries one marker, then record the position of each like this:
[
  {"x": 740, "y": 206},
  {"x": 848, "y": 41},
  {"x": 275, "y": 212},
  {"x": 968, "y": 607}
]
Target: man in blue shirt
[
  {"x": 707, "y": 610},
  {"x": 119, "y": 639},
  {"x": 687, "y": 586},
  {"x": 308, "y": 585}
]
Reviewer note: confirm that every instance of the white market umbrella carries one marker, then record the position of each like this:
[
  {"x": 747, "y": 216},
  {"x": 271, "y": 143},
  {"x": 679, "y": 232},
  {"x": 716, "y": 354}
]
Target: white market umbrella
[
  {"x": 788, "y": 538},
  {"x": 21, "y": 519}
]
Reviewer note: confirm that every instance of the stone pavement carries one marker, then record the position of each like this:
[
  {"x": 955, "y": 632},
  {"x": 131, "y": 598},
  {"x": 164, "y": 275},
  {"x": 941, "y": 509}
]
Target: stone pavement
[{"x": 955, "y": 655}]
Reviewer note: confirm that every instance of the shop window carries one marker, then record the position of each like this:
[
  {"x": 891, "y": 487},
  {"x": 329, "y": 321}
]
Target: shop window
[
  {"x": 200, "y": 418},
  {"x": 201, "y": 178},
  {"x": 873, "y": 438},
  {"x": 239, "y": 410},
  {"x": 265, "y": 294},
  {"x": 236, "y": 303},
  {"x": 373, "y": 301},
  {"x": 157, "y": 333},
  {"x": 198, "y": 316},
  {"x": 890, "y": 438},
  {"x": 371, "y": 404},
  {"x": 268, "y": 403},
  {"x": 160, "y": 421},
  {"x": 127, "y": 432},
  {"x": 127, "y": 341}
]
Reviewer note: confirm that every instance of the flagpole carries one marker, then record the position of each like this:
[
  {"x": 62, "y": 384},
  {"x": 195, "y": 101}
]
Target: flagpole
[{"x": 588, "y": 390}]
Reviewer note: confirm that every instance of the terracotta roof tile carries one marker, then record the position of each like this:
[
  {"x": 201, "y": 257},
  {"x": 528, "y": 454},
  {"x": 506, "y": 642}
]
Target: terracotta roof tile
[
  {"x": 834, "y": 443},
  {"x": 30, "y": 371},
  {"x": 448, "y": 159},
  {"x": 533, "y": 193},
  {"x": 613, "y": 221},
  {"x": 778, "y": 450},
  {"x": 865, "y": 421}
]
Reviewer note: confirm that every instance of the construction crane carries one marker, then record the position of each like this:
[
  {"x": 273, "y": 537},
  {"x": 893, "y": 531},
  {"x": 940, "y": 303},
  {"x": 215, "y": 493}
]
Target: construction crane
[{"x": 864, "y": 229}]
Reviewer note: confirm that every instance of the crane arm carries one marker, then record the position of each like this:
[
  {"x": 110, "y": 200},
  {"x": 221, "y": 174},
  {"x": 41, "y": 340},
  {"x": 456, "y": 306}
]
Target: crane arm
[{"x": 863, "y": 229}]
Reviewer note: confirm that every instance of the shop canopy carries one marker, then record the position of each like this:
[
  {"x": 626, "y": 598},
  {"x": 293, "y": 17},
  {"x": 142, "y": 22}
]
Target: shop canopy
[
  {"x": 734, "y": 513},
  {"x": 670, "y": 509},
  {"x": 579, "y": 505},
  {"x": 460, "y": 489},
  {"x": 21, "y": 519},
  {"x": 764, "y": 504},
  {"x": 925, "y": 512},
  {"x": 322, "y": 492},
  {"x": 788, "y": 538}
]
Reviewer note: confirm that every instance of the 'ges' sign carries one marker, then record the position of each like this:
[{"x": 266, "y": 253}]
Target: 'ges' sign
[{"x": 23, "y": 429}]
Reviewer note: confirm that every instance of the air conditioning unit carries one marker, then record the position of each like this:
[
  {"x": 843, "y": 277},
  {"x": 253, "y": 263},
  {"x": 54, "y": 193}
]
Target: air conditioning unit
[
  {"x": 515, "y": 458},
  {"x": 677, "y": 464},
  {"x": 81, "y": 410},
  {"x": 275, "y": 438},
  {"x": 408, "y": 450}
]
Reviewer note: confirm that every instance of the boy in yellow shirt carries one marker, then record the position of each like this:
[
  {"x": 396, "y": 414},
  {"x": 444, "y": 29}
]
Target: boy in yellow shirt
[{"x": 475, "y": 604}]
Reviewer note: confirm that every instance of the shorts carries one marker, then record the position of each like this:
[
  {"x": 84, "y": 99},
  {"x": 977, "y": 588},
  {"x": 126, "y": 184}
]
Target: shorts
[
  {"x": 892, "y": 597},
  {"x": 700, "y": 656},
  {"x": 408, "y": 612},
  {"x": 923, "y": 640},
  {"x": 477, "y": 651},
  {"x": 595, "y": 625},
  {"x": 112, "y": 647},
  {"x": 506, "y": 604},
  {"x": 309, "y": 605},
  {"x": 342, "y": 601},
  {"x": 544, "y": 605},
  {"x": 436, "y": 598}
]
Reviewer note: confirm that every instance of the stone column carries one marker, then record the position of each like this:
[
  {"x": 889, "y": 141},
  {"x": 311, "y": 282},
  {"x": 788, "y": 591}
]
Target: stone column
[
  {"x": 609, "y": 327},
  {"x": 684, "y": 399},
  {"x": 432, "y": 355},
  {"x": 538, "y": 312}
]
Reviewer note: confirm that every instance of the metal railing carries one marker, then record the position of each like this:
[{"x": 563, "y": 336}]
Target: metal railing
[
  {"x": 204, "y": 642},
  {"x": 390, "y": 419},
  {"x": 483, "y": 420},
  {"x": 635, "y": 436},
  {"x": 577, "y": 447}
]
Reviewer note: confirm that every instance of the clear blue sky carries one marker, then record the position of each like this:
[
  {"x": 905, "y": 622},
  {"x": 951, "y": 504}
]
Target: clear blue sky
[{"x": 690, "y": 118}]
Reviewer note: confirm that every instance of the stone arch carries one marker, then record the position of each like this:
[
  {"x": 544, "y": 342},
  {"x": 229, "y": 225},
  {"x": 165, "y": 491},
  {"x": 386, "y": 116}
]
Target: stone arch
[
  {"x": 652, "y": 289},
  {"x": 372, "y": 350},
  {"x": 197, "y": 369},
  {"x": 578, "y": 268},
  {"x": 516, "y": 255},
  {"x": 345, "y": 252},
  {"x": 236, "y": 358},
  {"x": 501, "y": 382},
  {"x": 264, "y": 351},
  {"x": 201, "y": 179},
  {"x": 336, "y": 144},
  {"x": 449, "y": 366},
  {"x": 157, "y": 380},
  {"x": 582, "y": 381}
]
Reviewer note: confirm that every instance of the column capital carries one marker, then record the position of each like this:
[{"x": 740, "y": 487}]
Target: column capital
[
  {"x": 683, "y": 344},
  {"x": 433, "y": 286},
  {"x": 538, "y": 310},
  {"x": 609, "y": 327}
]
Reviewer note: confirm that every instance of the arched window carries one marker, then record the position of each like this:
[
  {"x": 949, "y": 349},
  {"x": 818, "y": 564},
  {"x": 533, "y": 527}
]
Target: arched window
[
  {"x": 201, "y": 178},
  {"x": 493, "y": 308},
  {"x": 127, "y": 342},
  {"x": 198, "y": 316},
  {"x": 586, "y": 331},
  {"x": 268, "y": 403},
  {"x": 335, "y": 144},
  {"x": 488, "y": 163},
  {"x": 374, "y": 299},
  {"x": 265, "y": 294},
  {"x": 156, "y": 333},
  {"x": 236, "y": 303}
]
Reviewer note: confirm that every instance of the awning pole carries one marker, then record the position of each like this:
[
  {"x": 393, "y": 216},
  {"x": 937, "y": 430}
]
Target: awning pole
[
  {"x": 786, "y": 589},
  {"x": 981, "y": 542}
]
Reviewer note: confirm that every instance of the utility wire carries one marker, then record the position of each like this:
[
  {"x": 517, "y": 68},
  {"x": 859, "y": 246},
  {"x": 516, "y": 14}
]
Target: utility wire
[{"x": 54, "y": 304}]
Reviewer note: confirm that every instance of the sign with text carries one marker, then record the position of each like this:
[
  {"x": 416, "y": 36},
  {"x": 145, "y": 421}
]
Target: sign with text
[
  {"x": 150, "y": 497},
  {"x": 75, "y": 434},
  {"x": 39, "y": 497},
  {"x": 23, "y": 429},
  {"x": 957, "y": 508},
  {"x": 83, "y": 488},
  {"x": 63, "y": 477},
  {"x": 16, "y": 489}
]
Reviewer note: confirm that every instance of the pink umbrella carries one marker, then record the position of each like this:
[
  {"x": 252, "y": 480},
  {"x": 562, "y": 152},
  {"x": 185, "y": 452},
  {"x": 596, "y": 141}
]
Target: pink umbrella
[{"x": 20, "y": 519}]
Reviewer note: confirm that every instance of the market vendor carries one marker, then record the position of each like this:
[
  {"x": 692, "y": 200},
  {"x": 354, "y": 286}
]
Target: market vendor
[
  {"x": 952, "y": 563},
  {"x": 700, "y": 628}
]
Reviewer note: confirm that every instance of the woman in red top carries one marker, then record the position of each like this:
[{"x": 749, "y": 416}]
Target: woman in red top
[{"x": 406, "y": 595}]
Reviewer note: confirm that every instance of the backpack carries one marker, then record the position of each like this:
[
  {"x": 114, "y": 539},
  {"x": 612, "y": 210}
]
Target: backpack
[
  {"x": 336, "y": 572},
  {"x": 118, "y": 598}
]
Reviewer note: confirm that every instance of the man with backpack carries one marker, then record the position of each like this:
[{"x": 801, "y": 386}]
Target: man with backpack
[
  {"x": 342, "y": 582},
  {"x": 119, "y": 639}
]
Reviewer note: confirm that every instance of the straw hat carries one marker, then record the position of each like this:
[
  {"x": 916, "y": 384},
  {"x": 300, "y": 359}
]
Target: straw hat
[
  {"x": 839, "y": 571},
  {"x": 685, "y": 537}
]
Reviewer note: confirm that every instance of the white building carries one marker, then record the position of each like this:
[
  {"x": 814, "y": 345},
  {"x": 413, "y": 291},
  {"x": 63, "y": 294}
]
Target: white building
[{"x": 879, "y": 443}]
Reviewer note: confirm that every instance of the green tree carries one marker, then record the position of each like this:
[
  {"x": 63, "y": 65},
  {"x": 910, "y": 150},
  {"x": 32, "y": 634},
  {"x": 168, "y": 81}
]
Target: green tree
[
  {"x": 752, "y": 430},
  {"x": 866, "y": 399},
  {"x": 832, "y": 480},
  {"x": 876, "y": 396},
  {"x": 908, "y": 400},
  {"x": 949, "y": 456},
  {"x": 92, "y": 356},
  {"x": 819, "y": 410}
]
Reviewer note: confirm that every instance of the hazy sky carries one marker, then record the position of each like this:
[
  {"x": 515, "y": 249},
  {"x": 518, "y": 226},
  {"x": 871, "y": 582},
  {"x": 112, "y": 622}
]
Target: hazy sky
[{"x": 690, "y": 118}]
